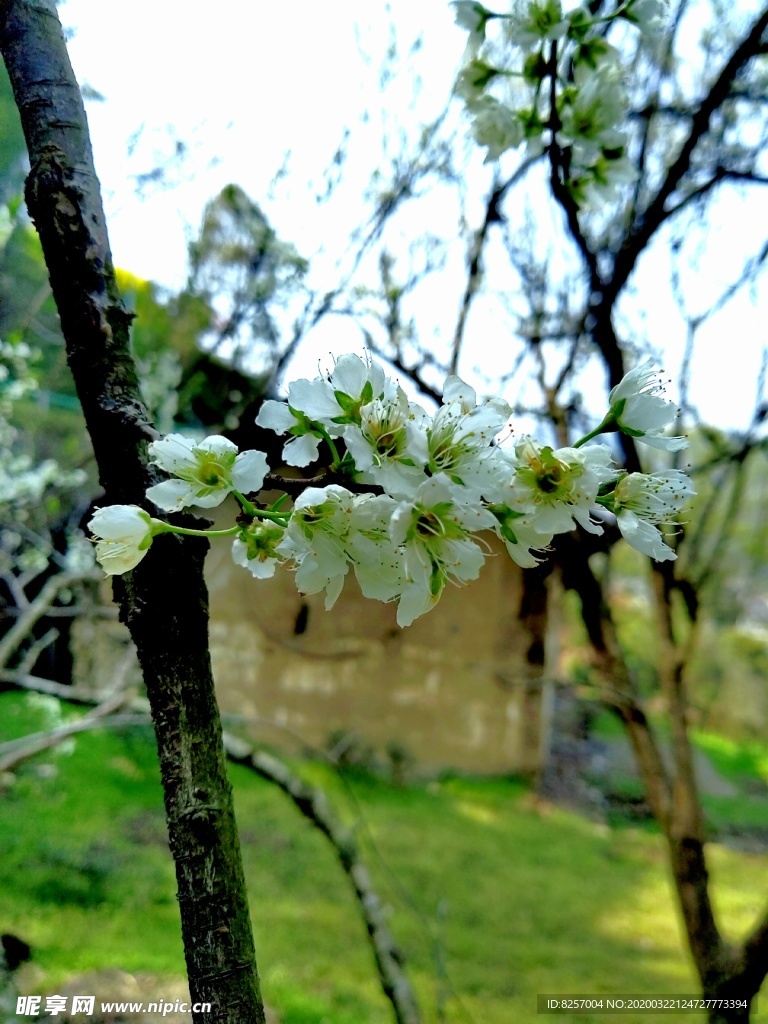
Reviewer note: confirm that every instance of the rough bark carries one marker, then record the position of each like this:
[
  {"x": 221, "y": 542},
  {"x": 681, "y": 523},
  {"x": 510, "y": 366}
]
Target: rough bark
[{"x": 164, "y": 601}]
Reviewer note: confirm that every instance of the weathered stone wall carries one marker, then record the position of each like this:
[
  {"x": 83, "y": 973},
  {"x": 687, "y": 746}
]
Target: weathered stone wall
[{"x": 453, "y": 690}]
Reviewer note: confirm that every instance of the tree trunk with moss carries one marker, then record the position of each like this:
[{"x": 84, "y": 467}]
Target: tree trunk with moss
[{"x": 164, "y": 600}]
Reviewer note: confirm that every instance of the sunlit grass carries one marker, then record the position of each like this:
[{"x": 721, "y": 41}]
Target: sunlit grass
[
  {"x": 734, "y": 760},
  {"x": 494, "y": 895}
]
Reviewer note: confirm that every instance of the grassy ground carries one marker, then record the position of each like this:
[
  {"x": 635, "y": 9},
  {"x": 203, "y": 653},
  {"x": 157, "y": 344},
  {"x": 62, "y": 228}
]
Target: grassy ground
[{"x": 497, "y": 896}]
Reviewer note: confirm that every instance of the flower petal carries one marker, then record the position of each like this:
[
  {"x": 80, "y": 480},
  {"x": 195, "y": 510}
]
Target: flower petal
[
  {"x": 314, "y": 398},
  {"x": 643, "y": 536},
  {"x": 349, "y": 375},
  {"x": 276, "y": 416},
  {"x": 217, "y": 445},
  {"x": 173, "y": 452},
  {"x": 120, "y": 522},
  {"x": 261, "y": 568},
  {"x": 249, "y": 471},
  {"x": 171, "y": 495},
  {"x": 301, "y": 451}
]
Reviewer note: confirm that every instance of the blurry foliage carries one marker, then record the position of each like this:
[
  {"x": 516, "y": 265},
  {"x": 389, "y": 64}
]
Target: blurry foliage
[
  {"x": 12, "y": 148},
  {"x": 184, "y": 386},
  {"x": 238, "y": 261},
  {"x": 34, "y": 488},
  {"x": 240, "y": 268},
  {"x": 728, "y": 671},
  {"x": 728, "y": 664},
  {"x": 744, "y": 761},
  {"x": 62, "y": 874}
]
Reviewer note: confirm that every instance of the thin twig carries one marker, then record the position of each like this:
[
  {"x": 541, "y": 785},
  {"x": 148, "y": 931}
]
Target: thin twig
[{"x": 314, "y": 805}]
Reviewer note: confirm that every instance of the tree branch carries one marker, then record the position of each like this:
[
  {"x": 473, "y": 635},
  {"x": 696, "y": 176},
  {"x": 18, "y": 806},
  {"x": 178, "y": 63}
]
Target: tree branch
[
  {"x": 753, "y": 955},
  {"x": 557, "y": 166},
  {"x": 314, "y": 805},
  {"x": 649, "y": 221},
  {"x": 36, "y": 609},
  {"x": 14, "y": 753},
  {"x": 474, "y": 269}
]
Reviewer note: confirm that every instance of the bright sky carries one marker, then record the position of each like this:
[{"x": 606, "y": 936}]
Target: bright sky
[{"x": 244, "y": 82}]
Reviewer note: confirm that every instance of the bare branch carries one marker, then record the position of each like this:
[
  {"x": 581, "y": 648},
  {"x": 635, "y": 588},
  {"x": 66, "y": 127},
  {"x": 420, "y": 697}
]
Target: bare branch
[
  {"x": 36, "y": 648},
  {"x": 557, "y": 168},
  {"x": 15, "y": 752},
  {"x": 474, "y": 262},
  {"x": 21, "y": 629},
  {"x": 294, "y": 486},
  {"x": 314, "y": 805},
  {"x": 36, "y": 684},
  {"x": 646, "y": 223}
]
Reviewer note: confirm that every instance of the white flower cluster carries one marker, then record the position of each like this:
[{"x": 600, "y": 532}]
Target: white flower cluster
[
  {"x": 422, "y": 489},
  {"x": 551, "y": 78}
]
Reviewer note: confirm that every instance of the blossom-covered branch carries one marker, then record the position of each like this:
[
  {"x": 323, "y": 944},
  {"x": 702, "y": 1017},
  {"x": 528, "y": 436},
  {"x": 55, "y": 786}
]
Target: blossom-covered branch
[
  {"x": 551, "y": 80},
  {"x": 437, "y": 484}
]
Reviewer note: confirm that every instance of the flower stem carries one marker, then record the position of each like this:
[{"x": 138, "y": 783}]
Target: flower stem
[
  {"x": 169, "y": 528},
  {"x": 247, "y": 505},
  {"x": 601, "y": 428},
  {"x": 275, "y": 517},
  {"x": 263, "y": 513},
  {"x": 329, "y": 441}
]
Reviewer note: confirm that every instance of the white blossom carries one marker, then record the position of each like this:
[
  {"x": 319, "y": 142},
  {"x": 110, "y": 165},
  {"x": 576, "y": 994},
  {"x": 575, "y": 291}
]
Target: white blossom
[
  {"x": 304, "y": 445},
  {"x": 657, "y": 497},
  {"x": 532, "y": 22},
  {"x": 557, "y": 487},
  {"x": 520, "y": 535},
  {"x": 495, "y": 126},
  {"x": 600, "y": 182},
  {"x": 316, "y": 540},
  {"x": 642, "y": 501},
  {"x": 389, "y": 445},
  {"x": 644, "y": 536},
  {"x": 256, "y": 548},
  {"x": 204, "y": 473},
  {"x": 124, "y": 535},
  {"x": 338, "y": 398},
  {"x": 637, "y": 408},
  {"x": 596, "y": 105},
  {"x": 649, "y": 16},
  {"x": 460, "y": 437},
  {"x": 377, "y": 561},
  {"x": 435, "y": 531},
  {"x": 445, "y": 479},
  {"x": 473, "y": 17}
]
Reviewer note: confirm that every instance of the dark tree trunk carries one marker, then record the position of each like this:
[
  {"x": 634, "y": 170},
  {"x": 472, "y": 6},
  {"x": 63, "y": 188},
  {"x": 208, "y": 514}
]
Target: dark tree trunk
[
  {"x": 734, "y": 1016},
  {"x": 164, "y": 601}
]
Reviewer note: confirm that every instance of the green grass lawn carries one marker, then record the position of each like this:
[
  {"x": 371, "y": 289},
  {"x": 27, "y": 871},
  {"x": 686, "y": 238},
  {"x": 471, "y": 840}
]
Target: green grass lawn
[{"x": 495, "y": 895}]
